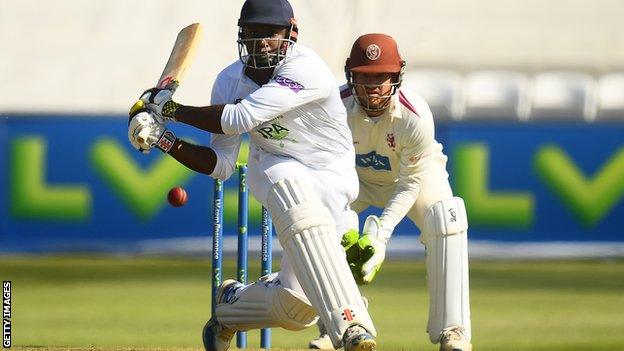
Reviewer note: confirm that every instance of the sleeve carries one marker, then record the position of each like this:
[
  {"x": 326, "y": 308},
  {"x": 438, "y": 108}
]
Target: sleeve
[
  {"x": 289, "y": 89},
  {"x": 226, "y": 147},
  {"x": 417, "y": 152}
]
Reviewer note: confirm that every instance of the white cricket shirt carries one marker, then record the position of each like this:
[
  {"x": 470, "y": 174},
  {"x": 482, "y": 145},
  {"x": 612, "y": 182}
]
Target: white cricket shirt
[{"x": 298, "y": 113}]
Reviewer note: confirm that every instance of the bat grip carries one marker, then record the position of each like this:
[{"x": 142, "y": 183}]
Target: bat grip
[{"x": 168, "y": 83}]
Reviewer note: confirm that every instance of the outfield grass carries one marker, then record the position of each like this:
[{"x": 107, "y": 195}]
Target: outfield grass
[{"x": 150, "y": 303}]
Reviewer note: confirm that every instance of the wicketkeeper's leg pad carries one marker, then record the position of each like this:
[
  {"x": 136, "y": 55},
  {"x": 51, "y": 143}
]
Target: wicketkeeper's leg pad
[
  {"x": 267, "y": 304},
  {"x": 307, "y": 233},
  {"x": 445, "y": 237}
]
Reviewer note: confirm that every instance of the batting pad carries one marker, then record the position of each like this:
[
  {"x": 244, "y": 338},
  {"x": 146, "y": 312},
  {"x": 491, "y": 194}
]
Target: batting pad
[
  {"x": 307, "y": 233},
  {"x": 445, "y": 234},
  {"x": 267, "y": 304}
]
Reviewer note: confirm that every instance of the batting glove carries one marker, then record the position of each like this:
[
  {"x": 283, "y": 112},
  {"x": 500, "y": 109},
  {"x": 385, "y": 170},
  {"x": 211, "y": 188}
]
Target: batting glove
[
  {"x": 145, "y": 132},
  {"x": 160, "y": 102}
]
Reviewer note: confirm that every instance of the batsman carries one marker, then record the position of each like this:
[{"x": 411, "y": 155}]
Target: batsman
[
  {"x": 301, "y": 167},
  {"x": 401, "y": 169}
]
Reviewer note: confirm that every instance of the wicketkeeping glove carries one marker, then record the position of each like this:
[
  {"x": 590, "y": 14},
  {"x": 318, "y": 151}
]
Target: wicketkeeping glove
[
  {"x": 160, "y": 102},
  {"x": 349, "y": 243},
  {"x": 365, "y": 254},
  {"x": 373, "y": 247},
  {"x": 146, "y": 132}
]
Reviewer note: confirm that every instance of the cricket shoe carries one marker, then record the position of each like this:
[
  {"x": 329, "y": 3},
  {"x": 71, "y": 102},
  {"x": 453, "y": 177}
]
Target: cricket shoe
[
  {"x": 323, "y": 342},
  {"x": 454, "y": 339},
  {"x": 217, "y": 337},
  {"x": 357, "y": 338}
]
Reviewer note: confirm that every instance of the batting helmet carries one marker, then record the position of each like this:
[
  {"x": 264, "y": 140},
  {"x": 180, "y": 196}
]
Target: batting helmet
[{"x": 266, "y": 12}]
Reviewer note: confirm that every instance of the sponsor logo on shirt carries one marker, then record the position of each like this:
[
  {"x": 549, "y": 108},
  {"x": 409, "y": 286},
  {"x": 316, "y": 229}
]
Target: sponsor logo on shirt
[
  {"x": 289, "y": 83},
  {"x": 373, "y": 160},
  {"x": 274, "y": 131}
]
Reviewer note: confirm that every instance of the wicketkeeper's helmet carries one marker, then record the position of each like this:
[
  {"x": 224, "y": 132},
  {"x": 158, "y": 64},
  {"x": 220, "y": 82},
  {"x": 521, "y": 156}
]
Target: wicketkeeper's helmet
[{"x": 374, "y": 53}]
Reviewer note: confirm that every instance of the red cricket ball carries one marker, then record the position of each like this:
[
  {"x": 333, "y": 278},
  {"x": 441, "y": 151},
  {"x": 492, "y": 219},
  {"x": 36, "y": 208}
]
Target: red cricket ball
[{"x": 177, "y": 196}]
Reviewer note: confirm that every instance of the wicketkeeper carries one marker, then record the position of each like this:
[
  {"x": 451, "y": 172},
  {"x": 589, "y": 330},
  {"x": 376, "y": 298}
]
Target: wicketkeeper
[{"x": 402, "y": 169}]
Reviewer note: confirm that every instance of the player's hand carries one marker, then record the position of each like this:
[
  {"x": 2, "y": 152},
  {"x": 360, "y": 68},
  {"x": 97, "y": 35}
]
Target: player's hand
[
  {"x": 145, "y": 132},
  {"x": 160, "y": 102},
  {"x": 372, "y": 246},
  {"x": 366, "y": 254},
  {"x": 348, "y": 242}
]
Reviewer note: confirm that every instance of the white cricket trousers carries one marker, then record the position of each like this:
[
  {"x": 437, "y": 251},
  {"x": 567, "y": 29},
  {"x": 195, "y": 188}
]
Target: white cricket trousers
[{"x": 336, "y": 185}]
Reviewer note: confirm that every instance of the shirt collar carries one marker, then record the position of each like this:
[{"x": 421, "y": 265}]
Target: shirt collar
[{"x": 394, "y": 109}]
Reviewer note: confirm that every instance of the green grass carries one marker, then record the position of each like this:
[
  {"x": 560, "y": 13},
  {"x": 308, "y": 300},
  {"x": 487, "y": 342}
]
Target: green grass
[{"x": 150, "y": 303}]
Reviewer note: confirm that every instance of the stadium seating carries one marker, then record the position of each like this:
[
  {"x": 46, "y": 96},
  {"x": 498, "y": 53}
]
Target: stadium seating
[
  {"x": 563, "y": 95},
  {"x": 441, "y": 89},
  {"x": 611, "y": 97},
  {"x": 504, "y": 95},
  {"x": 501, "y": 95}
]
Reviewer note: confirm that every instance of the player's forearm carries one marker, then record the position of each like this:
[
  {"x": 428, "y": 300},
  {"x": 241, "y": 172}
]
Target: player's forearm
[
  {"x": 201, "y": 159},
  {"x": 413, "y": 166},
  {"x": 397, "y": 208},
  {"x": 206, "y": 118}
]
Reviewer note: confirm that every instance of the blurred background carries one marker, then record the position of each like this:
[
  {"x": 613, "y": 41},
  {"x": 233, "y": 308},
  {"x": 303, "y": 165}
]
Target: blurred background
[{"x": 528, "y": 98}]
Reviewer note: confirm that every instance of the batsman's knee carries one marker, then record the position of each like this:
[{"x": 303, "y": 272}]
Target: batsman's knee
[
  {"x": 266, "y": 303},
  {"x": 292, "y": 310},
  {"x": 295, "y": 208}
]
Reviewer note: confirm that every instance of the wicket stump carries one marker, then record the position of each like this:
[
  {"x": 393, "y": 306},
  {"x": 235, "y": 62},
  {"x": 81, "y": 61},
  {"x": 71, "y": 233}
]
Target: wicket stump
[{"x": 242, "y": 259}]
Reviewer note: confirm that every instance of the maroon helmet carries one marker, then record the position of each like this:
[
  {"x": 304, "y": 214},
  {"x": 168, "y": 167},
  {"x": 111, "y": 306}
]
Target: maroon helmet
[{"x": 374, "y": 53}]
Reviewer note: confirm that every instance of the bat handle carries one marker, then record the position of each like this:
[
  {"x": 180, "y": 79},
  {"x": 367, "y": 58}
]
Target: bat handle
[
  {"x": 143, "y": 135},
  {"x": 168, "y": 83}
]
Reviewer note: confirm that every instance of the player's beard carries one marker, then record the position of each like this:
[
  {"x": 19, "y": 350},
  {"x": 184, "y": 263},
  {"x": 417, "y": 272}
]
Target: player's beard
[
  {"x": 263, "y": 60},
  {"x": 255, "y": 58},
  {"x": 377, "y": 102}
]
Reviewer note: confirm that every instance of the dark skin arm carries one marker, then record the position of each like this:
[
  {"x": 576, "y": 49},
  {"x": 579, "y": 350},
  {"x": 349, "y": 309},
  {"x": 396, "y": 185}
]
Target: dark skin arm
[
  {"x": 201, "y": 159},
  {"x": 206, "y": 118}
]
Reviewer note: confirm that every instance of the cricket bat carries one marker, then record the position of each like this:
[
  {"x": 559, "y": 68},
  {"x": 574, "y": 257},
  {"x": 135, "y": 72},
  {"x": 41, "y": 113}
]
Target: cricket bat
[{"x": 180, "y": 59}]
